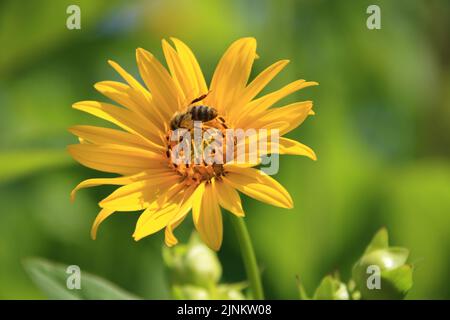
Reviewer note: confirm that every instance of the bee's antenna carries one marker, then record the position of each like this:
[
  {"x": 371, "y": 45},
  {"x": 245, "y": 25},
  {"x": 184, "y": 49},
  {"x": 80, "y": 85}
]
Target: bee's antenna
[{"x": 202, "y": 97}]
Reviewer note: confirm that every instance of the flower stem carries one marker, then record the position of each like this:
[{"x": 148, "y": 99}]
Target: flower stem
[{"x": 248, "y": 255}]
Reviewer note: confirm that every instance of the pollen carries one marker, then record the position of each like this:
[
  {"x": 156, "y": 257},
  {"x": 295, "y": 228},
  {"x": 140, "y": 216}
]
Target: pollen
[{"x": 197, "y": 159}]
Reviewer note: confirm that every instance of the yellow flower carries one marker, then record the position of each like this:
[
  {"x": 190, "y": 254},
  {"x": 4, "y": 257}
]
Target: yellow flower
[{"x": 148, "y": 178}]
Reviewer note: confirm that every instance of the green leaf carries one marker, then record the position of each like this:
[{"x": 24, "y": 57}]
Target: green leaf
[
  {"x": 379, "y": 241},
  {"x": 51, "y": 278},
  {"x": 238, "y": 285},
  {"x": 301, "y": 290},
  {"x": 400, "y": 279},
  {"x": 16, "y": 164}
]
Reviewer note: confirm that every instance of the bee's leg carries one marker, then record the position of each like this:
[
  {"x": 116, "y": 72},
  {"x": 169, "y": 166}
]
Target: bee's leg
[
  {"x": 202, "y": 97},
  {"x": 188, "y": 126},
  {"x": 221, "y": 121}
]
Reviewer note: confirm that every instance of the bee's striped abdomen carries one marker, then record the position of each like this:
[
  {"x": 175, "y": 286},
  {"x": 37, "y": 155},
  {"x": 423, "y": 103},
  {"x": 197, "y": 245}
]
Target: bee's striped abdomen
[
  {"x": 203, "y": 113},
  {"x": 175, "y": 122}
]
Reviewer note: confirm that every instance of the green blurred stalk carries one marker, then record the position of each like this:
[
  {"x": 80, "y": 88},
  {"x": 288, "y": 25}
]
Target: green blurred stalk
[{"x": 248, "y": 255}]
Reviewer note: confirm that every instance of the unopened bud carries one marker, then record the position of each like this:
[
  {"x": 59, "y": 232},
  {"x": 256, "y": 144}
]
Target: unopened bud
[
  {"x": 188, "y": 292},
  {"x": 331, "y": 288},
  {"x": 193, "y": 263},
  {"x": 382, "y": 272}
]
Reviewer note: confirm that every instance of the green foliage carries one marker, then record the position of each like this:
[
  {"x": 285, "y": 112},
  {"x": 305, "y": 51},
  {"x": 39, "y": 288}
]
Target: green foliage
[
  {"x": 380, "y": 132},
  {"x": 193, "y": 263},
  {"x": 16, "y": 164},
  {"x": 379, "y": 241},
  {"x": 51, "y": 278},
  {"x": 330, "y": 288},
  {"x": 195, "y": 272},
  {"x": 395, "y": 276}
]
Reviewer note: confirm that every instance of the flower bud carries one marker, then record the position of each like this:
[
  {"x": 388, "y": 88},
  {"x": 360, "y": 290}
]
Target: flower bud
[
  {"x": 331, "y": 288},
  {"x": 229, "y": 292},
  {"x": 188, "y": 292},
  {"x": 193, "y": 263},
  {"x": 382, "y": 272},
  {"x": 203, "y": 265}
]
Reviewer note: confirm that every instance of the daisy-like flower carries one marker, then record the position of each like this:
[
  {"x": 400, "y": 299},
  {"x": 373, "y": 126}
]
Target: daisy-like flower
[{"x": 139, "y": 153}]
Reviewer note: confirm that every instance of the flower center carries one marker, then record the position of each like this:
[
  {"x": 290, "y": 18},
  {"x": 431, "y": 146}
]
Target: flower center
[{"x": 196, "y": 145}]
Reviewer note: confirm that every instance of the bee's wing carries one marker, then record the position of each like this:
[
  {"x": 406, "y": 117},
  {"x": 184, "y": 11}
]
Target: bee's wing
[{"x": 186, "y": 121}]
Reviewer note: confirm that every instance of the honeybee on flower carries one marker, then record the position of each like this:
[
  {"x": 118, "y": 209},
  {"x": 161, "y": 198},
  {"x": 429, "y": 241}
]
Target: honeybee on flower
[{"x": 139, "y": 152}]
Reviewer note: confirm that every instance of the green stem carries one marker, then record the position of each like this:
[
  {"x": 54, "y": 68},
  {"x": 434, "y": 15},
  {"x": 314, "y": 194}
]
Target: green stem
[{"x": 248, "y": 255}]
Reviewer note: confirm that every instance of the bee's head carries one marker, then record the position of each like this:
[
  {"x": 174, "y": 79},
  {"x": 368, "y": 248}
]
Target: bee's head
[
  {"x": 214, "y": 112},
  {"x": 174, "y": 122}
]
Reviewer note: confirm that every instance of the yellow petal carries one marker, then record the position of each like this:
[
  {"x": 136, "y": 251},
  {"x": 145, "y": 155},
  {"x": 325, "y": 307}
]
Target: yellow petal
[
  {"x": 260, "y": 82},
  {"x": 141, "y": 96},
  {"x": 257, "y": 85},
  {"x": 99, "y": 181},
  {"x": 254, "y": 109},
  {"x": 115, "y": 181},
  {"x": 258, "y": 185},
  {"x": 228, "y": 197},
  {"x": 181, "y": 73},
  {"x": 165, "y": 91},
  {"x": 103, "y": 214},
  {"x": 139, "y": 195},
  {"x": 99, "y": 135},
  {"x": 130, "y": 99},
  {"x": 255, "y": 145},
  {"x": 292, "y": 116},
  {"x": 266, "y": 145},
  {"x": 123, "y": 118},
  {"x": 288, "y": 146},
  {"x": 156, "y": 218},
  {"x": 169, "y": 237},
  {"x": 114, "y": 158},
  {"x": 231, "y": 75},
  {"x": 188, "y": 59},
  {"x": 243, "y": 165},
  {"x": 129, "y": 154},
  {"x": 278, "y": 125},
  {"x": 129, "y": 78},
  {"x": 208, "y": 217},
  {"x": 188, "y": 196},
  {"x": 168, "y": 215},
  {"x": 120, "y": 93}
]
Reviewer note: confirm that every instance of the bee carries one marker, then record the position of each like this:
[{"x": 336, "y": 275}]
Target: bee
[{"x": 201, "y": 113}]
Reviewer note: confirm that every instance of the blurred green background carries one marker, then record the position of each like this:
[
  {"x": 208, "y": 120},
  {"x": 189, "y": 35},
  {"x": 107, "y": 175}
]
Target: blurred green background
[{"x": 381, "y": 134}]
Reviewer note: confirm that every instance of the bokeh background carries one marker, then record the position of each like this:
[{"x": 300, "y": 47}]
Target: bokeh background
[{"x": 381, "y": 134}]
